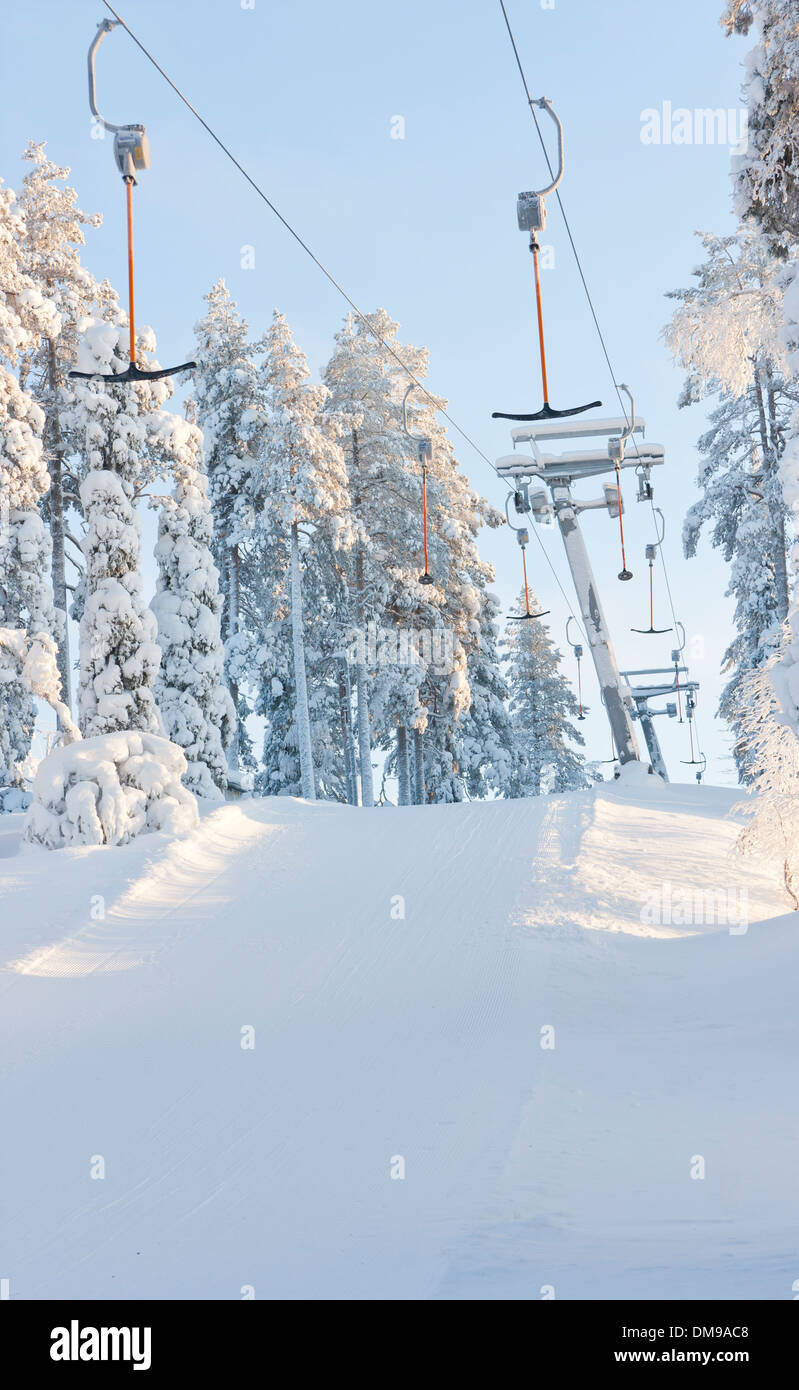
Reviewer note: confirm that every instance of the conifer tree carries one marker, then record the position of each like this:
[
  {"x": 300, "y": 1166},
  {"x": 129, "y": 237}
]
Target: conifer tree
[
  {"x": 26, "y": 596},
  {"x": 303, "y": 514},
  {"x": 192, "y": 699},
  {"x": 542, "y": 710},
  {"x": 52, "y": 237},
  {"x": 230, "y": 414}
]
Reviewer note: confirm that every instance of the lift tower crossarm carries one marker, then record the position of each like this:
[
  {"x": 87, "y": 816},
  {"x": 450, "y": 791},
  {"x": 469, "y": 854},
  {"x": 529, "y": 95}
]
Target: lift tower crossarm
[
  {"x": 559, "y": 472},
  {"x": 574, "y": 429}
]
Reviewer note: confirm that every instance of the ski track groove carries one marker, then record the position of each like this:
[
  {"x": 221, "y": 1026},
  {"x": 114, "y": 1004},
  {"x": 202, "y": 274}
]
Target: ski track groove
[{"x": 375, "y": 1036}]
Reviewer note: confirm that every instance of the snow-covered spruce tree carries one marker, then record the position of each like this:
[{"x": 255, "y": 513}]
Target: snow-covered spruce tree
[
  {"x": 542, "y": 708},
  {"x": 26, "y": 596},
  {"x": 726, "y": 333},
  {"x": 766, "y": 174},
  {"x": 193, "y": 701},
  {"x": 486, "y": 737},
  {"x": 118, "y": 432},
  {"x": 461, "y": 699},
  {"x": 52, "y": 235},
  {"x": 230, "y": 414},
  {"x": 123, "y": 777},
  {"x": 303, "y": 513}
]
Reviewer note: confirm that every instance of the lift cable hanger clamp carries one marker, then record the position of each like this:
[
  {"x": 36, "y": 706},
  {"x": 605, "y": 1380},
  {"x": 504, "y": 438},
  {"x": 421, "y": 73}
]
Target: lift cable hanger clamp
[
  {"x": 531, "y": 215},
  {"x": 521, "y": 502},
  {"x": 132, "y": 155}
]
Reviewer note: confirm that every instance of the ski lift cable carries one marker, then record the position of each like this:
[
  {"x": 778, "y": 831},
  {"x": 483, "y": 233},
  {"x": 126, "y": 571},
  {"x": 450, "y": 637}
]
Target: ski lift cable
[
  {"x": 578, "y": 262},
  {"x": 328, "y": 275},
  {"x": 531, "y": 104},
  {"x": 295, "y": 234}
]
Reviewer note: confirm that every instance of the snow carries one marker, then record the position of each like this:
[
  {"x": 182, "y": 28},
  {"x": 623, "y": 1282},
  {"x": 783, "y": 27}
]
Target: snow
[
  {"x": 398, "y": 970},
  {"x": 107, "y": 789}
]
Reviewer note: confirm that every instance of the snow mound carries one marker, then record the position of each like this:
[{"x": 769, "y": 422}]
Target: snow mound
[
  {"x": 638, "y": 776},
  {"x": 108, "y": 789}
]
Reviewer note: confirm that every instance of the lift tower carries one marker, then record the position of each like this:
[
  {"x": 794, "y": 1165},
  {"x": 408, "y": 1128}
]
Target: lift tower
[{"x": 559, "y": 472}]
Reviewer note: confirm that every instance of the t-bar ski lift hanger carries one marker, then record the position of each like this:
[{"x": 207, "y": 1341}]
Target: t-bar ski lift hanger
[
  {"x": 521, "y": 502},
  {"x": 424, "y": 453},
  {"x": 531, "y": 214},
  {"x": 578, "y": 655},
  {"x": 132, "y": 154},
  {"x": 651, "y": 556}
]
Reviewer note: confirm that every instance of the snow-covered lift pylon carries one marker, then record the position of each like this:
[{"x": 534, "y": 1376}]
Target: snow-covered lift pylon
[
  {"x": 132, "y": 154},
  {"x": 531, "y": 214}
]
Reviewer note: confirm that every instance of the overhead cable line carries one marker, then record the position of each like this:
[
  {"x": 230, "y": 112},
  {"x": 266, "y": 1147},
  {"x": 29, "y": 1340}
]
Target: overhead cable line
[
  {"x": 533, "y": 112},
  {"x": 364, "y": 319}
]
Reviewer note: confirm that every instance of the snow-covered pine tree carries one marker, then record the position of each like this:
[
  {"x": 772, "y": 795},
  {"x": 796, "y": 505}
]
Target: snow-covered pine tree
[
  {"x": 726, "y": 334},
  {"x": 486, "y": 736},
  {"x": 117, "y": 430},
  {"x": 366, "y": 388},
  {"x": 542, "y": 708},
  {"x": 465, "y": 694},
  {"x": 738, "y": 504},
  {"x": 230, "y": 414},
  {"x": 50, "y": 250},
  {"x": 303, "y": 514},
  {"x": 410, "y": 708},
  {"x": 26, "y": 595},
  {"x": 192, "y": 698},
  {"x": 331, "y": 736},
  {"x": 766, "y": 173},
  {"x": 766, "y": 186}
]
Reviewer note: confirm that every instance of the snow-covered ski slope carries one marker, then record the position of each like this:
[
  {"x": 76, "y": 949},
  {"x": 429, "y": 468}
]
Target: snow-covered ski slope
[{"x": 381, "y": 1037}]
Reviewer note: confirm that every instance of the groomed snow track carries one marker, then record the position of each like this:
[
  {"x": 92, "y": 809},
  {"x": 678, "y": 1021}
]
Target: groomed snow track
[{"x": 398, "y": 968}]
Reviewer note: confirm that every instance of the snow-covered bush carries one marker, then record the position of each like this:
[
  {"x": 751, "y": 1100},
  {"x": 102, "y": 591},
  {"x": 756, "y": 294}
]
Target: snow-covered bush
[{"x": 107, "y": 789}]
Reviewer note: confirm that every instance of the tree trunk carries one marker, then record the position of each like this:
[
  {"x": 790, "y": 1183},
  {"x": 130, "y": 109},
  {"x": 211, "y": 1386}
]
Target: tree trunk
[
  {"x": 773, "y": 495},
  {"x": 232, "y": 629},
  {"x": 52, "y": 432},
  {"x": 418, "y": 768},
  {"x": 300, "y": 682},
  {"x": 347, "y": 735},
  {"x": 403, "y": 767},
  {"x": 361, "y": 685}
]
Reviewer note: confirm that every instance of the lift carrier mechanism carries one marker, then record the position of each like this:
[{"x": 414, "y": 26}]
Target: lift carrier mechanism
[
  {"x": 132, "y": 154},
  {"x": 558, "y": 473},
  {"x": 654, "y": 689}
]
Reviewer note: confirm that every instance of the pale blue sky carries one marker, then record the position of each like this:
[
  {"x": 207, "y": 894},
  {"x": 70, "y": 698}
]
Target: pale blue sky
[{"x": 425, "y": 226}]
